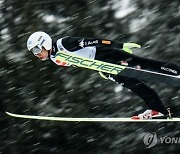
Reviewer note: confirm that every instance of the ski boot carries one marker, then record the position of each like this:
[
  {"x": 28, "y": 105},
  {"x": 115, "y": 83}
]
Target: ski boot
[{"x": 149, "y": 114}]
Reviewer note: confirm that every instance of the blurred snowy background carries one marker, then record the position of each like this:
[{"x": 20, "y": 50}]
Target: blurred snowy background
[{"x": 30, "y": 86}]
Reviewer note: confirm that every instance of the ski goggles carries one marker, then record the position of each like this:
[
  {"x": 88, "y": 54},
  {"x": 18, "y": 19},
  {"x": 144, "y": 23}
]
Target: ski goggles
[{"x": 36, "y": 50}]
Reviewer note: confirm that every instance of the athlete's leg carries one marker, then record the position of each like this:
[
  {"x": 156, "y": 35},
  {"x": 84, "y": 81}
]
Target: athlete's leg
[{"x": 148, "y": 94}]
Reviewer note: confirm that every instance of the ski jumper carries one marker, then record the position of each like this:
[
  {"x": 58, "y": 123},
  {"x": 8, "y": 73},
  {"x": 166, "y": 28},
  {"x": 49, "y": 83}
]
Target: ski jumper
[{"x": 111, "y": 51}]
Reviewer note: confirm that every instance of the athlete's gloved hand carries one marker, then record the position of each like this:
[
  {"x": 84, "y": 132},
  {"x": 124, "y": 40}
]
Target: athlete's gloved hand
[{"x": 127, "y": 46}]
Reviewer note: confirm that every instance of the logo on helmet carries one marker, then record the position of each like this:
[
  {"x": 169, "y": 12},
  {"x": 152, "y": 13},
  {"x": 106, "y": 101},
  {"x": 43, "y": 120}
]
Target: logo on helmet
[
  {"x": 39, "y": 38},
  {"x": 42, "y": 42},
  {"x": 29, "y": 42}
]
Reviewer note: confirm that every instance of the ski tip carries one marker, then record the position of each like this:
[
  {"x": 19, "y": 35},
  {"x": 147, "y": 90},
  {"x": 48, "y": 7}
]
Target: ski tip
[{"x": 8, "y": 113}]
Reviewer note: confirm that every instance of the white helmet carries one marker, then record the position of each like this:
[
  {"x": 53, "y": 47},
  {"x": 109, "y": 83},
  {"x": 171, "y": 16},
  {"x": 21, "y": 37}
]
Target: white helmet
[{"x": 39, "y": 39}]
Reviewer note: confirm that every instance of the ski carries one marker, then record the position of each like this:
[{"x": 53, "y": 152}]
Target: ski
[
  {"x": 110, "y": 68},
  {"x": 89, "y": 63},
  {"x": 64, "y": 119}
]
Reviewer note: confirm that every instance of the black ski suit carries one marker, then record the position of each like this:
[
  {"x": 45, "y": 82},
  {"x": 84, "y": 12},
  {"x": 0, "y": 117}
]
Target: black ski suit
[{"x": 111, "y": 51}]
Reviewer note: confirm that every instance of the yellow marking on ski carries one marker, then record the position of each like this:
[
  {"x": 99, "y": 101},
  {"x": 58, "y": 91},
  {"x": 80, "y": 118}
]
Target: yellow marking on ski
[{"x": 89, "y": 63}]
